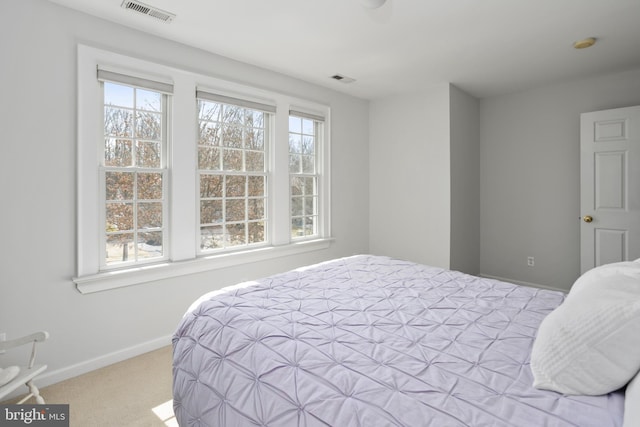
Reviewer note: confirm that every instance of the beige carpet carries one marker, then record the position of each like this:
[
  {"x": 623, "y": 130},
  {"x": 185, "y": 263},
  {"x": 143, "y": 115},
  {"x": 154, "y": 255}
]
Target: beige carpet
[{"x": 135, "y": 392}]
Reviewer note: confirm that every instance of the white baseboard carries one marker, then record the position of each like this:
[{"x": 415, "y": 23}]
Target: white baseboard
[
  {"x": 53, "y": 377},
  {"x": 520, "y": 282}
]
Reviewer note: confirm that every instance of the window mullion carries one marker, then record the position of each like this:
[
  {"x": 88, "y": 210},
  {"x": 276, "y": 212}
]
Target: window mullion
[
  {"x": 279, "y": 185},
  {"x": 184, "y": 179}
]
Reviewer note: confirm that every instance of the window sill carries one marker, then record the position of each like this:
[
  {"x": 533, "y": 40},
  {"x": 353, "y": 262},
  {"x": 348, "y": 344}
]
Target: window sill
[{"x": 149, "y": 273}]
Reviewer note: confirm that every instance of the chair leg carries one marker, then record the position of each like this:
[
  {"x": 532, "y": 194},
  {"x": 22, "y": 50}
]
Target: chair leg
[{"x": 35, "y": 392}]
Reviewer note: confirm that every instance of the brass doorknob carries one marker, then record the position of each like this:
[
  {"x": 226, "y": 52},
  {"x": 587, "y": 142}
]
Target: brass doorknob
[{"x": 587, "y": 218}]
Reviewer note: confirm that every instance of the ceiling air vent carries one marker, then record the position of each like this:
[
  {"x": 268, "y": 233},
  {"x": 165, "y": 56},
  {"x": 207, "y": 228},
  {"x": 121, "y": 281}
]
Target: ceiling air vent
[
  {"x": 343, "y": 79},
  {"x": 145, "y": 9}
]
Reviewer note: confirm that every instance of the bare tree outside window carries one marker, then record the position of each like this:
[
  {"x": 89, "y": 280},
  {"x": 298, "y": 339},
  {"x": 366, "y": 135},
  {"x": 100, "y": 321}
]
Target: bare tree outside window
[
  {"x": 133, "y": 173},
  {"x": 303, "y": 137},
  {"x": 231, "y": 165}
]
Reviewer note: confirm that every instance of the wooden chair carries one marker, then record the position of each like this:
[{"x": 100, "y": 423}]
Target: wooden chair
[{"x": 26, "y": 374}]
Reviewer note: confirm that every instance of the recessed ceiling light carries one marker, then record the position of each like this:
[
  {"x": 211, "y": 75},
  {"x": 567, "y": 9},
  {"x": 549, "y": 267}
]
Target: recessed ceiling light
[{"x": 585, "y": 43}]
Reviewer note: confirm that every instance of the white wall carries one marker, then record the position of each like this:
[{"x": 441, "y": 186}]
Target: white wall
[
  {"x": 38, "y": 176},
  {"x": 530, "y": 176},
  {"x": 409, "y": 188},
  {"x": 465, "y": 181}
]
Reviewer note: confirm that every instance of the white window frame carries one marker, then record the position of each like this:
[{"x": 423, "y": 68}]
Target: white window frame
[
  {"x": 268, "y": 111},
  {"x": 318, "y": 173},
  {"x": 182, "y": 226},
  {"x": 162, "y": 170}
]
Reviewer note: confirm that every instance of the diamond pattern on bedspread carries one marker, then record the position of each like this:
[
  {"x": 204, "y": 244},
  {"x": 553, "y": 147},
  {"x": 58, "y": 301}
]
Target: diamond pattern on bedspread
[{"x": 371, "y": 341}]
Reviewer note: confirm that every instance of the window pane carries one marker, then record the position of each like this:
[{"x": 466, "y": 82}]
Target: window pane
[
  {"x": 148, "y": 154},
  {"x": 309, "y": 206},
  {"x": 232, "y": 136},
  {"x": 149, "y": 215},
  {"x": 236, "y": 210},
  {"x": 149, "y": 186},
  {"x": 295, "y": 124},
  {"x": 210, "y": 186},
  {"x": 255, "y": 209},
  {"x": 254, "y": 139},
  {"x": 119, "y": 217},
  {"x": 148, "y": 125},
  {"x": 117, "y": 152},
  {"x": 296, "y": 206},
  {"x": 209, "y": 111},
  {"x": 211, "y": 211},
  {"x": 235, "y": 186},
  {"x": 209, "y": 158},
  {"x": 236, "y": 234},
  {"x": 255, "y": 118},
  {"x": 232, "y": 160},
  {"x": 309, "y": 226},
  {"x": 115, "y": 94},
  {"x": 256, "y": 232},
  {"x": 210, "y": 133},
  {"x": 255, "y": 161},
  {"x": 308, "y": 164},
  {"x": 294, "y": 163},
  {"x": 118, "y": 122},
  {"x": 150, "y": 245},
  {"x": 296, "y": 185},
  {"x": 307, "y": 126},
  {"x": 308, "y": 145},
  {"x": 256, "y": 186},
  {"x": 211, "y": 237},
  {"x": 119, "y": 248},
  {"x": 148, "y": 100},
  {"x": 309, "y": 185},
  {"x": 297, "y": 229},
  {"x": 295, "y": 143},
  {"x": 119, "y": 185},
  {"x": 233, "y": 114}
]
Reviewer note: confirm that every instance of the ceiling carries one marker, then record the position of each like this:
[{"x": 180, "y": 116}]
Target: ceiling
[{"x": 485, "y": 47}]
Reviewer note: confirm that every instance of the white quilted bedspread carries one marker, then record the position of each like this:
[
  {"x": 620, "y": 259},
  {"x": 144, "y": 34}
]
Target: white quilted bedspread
[{"x": 371, "y": 341}]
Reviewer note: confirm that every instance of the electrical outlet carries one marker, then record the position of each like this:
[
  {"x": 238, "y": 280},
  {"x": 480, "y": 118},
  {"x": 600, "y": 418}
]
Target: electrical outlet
[
  {"x": 3, "y": 337},
  {"x": 531, "y": 261}
]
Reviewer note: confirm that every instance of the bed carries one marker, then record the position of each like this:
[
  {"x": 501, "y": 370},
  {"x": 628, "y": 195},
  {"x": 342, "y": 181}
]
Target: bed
[{"x": 371, "y": 341}]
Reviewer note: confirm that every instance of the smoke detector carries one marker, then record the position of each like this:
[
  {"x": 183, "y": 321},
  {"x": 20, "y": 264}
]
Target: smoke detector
[{"x": 148, "y": 10}]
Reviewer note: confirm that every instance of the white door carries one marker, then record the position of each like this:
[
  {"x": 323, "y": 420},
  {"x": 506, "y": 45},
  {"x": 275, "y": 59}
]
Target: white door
[{"x": 610, "y": 186}]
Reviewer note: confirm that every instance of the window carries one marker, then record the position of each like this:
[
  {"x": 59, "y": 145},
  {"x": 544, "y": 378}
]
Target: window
[
  {"x": 232, "y": 144},
  {"x": 133, "y": 171},
  {"x": 304, "y": 135},
  {"x": 180, "y": 172}
]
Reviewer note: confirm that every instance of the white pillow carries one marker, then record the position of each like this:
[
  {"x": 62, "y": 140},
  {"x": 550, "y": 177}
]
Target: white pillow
[
  {"x": 632, "y": 403},
  {"x": 595, "y": 279},
  {"x": 590, "y": 344}
]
